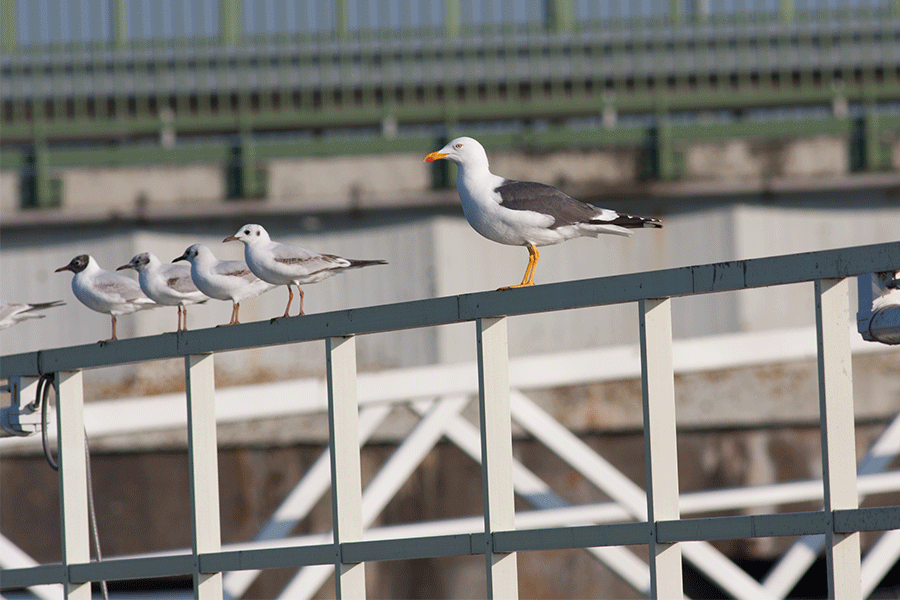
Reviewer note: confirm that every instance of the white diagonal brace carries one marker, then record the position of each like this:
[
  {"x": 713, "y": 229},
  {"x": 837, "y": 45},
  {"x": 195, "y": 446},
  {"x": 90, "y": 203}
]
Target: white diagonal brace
[
  {"x": 301, "y": 500},
  {"x": 595, "y": 469},
  {"x": 387, "y": 482}
]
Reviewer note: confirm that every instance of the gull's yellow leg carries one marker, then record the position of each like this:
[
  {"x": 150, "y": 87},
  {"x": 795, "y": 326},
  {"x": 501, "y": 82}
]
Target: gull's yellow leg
[{"x": 528, "y": 279}]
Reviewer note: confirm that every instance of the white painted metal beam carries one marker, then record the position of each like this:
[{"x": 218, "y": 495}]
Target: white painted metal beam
[
  {"x": 203, "y": 469},
  {"x": 496, "y": 454},
  {"x": 73, "y": 486},
  {"x": 660, "y": 444},
  {"x": 346, "y": 490},
  {"x": 842, "y": 550}
]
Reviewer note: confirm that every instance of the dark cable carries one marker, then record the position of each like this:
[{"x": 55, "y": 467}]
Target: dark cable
[{"x": 42, "y": 398}]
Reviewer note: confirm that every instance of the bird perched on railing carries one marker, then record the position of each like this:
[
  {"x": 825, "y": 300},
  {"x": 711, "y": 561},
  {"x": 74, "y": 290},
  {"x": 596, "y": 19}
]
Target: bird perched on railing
[
  {"x": 12, "y": 313},
  {"x": 524, "y": 213},
  {"x": 223, "y": 279},
  {"x": 105, "y": 291},
  {"x": 285, "y": 264},
  {"x": 167, "y": 284}
]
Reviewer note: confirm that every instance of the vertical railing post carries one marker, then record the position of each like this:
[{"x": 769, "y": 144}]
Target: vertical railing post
[
  {"x": 346, "y": 481},
  {"x": 341, "y": 25},
  {"x": 73, "y": 485},
  {"x": 203, "y": 468},
  {"x": 451, "y": 19},
  {"x": 229, "y": 15},
  {"x": 9, "y": 29},
  {"x": 119, "y": 27},
  {"x": 496, "y": 453},
  {"x": 660, "y": 444},
  {"x": 842, "y": 550}
]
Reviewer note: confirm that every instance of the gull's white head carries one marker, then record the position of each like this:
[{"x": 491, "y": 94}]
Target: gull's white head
[
  {"x": 194, "y": 253},
  {"x": 141, "y": 262},
  {"x": 464, "y": 151},
  {"x": 249, "y": 234}
]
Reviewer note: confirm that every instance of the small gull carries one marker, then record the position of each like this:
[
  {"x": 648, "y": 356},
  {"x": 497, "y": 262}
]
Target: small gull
[
  {"x": 105, "y": 291},
  {"x": 285, "y": 264},
  {"x": 523, "y": 213},
  {"x": 166, "y": 284},
  {"x": 223, "y": 279},
  {"x": 12, "y": 313}
]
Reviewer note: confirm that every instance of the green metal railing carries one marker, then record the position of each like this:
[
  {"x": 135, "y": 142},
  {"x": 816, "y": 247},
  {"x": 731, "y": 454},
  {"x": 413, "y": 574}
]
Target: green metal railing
[{"x": 153, "y": 81}]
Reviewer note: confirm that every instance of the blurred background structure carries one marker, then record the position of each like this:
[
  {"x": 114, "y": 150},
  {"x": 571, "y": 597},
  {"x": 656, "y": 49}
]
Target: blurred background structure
[{"x": 751, "y": 128}]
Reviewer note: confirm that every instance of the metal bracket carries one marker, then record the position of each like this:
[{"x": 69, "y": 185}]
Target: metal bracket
[{"x": 20, "y": 418}]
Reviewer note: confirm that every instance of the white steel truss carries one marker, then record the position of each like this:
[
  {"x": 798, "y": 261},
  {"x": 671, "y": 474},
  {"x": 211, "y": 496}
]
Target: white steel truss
[{"x": 602, "y": 528}]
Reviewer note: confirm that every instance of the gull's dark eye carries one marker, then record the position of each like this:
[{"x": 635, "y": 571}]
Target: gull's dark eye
[
  {"x": 246, "y": 232},
  {"x": 458, "y": 146}
]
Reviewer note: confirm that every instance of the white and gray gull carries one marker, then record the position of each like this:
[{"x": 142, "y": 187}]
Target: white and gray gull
[
  {"x": 105, "y": 291},
  {"x": 286, "y": 264},
  {"x": 15, "y": 312},
  {"x": 166, "y": 284},
  {"x": 223, "y": 279},
  {"x": 524, "y": 213}
]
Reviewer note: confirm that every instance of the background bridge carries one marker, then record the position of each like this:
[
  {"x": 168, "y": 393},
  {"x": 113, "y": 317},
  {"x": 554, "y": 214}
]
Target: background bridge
[{"x": 143, "y": 81}]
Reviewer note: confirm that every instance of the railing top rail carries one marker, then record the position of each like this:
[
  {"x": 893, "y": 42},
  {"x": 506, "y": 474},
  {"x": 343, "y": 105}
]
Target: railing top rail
[{"x": 601, "y": 291}]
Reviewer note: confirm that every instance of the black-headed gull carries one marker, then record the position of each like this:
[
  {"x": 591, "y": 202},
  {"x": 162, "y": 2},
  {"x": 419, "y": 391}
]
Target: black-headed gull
[
  {"x": 105, "y": 291},
  {"x": 166, "y": 284},
  {"x": 223, "y": 279},
  {"x": 523, "y": 213},
  {"x": 12, "y": 313},
  {"x": 285, "y": 264}
]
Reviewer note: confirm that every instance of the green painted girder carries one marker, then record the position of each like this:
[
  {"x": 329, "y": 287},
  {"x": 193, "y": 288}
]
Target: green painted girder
[
  {"x": 555, "y": 138},
  {"x": 560, "y": 105}
]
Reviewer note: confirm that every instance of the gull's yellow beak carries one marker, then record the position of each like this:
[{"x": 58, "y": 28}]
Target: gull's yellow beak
[{"x": 435, "y": 156}]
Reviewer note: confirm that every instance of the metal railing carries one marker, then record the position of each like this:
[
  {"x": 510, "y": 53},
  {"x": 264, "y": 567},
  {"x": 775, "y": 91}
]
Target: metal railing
[
  {"x": 658, "y": 523},
  {"x": 383, "y": 73}
]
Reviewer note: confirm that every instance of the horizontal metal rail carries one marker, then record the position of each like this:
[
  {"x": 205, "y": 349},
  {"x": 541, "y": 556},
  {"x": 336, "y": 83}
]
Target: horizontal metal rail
[
  {"x": 667, "y": 283},
  {"x": 555, "y": 538}
]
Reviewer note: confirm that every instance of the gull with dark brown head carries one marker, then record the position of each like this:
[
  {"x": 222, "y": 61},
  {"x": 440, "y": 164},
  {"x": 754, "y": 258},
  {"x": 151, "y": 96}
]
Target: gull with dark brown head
[{"x": 105, "y": 291}]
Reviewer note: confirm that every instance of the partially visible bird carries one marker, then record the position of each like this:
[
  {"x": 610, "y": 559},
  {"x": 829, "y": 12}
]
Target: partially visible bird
[
  {"x": 523, "y": 213},
  {"x": 105, "y": 291},
  {"x": 166, "y": 284},
  {"x": 12, "y": 313},
  {"x": 223, "y": 279},
  {"x": 285, "y": 264}
]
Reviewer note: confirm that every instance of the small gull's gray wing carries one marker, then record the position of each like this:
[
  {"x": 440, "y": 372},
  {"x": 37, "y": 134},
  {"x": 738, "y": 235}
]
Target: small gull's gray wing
[{"x": 234, "y": 268}]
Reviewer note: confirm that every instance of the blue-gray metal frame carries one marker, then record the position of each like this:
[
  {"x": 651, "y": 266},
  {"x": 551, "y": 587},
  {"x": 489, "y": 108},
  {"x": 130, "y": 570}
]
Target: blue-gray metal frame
[{"x": 840, "y": 520}]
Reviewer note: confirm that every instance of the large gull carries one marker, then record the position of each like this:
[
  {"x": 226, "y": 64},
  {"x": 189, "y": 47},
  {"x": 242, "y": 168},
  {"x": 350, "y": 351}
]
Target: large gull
[{"x": 524, "y": 213}]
